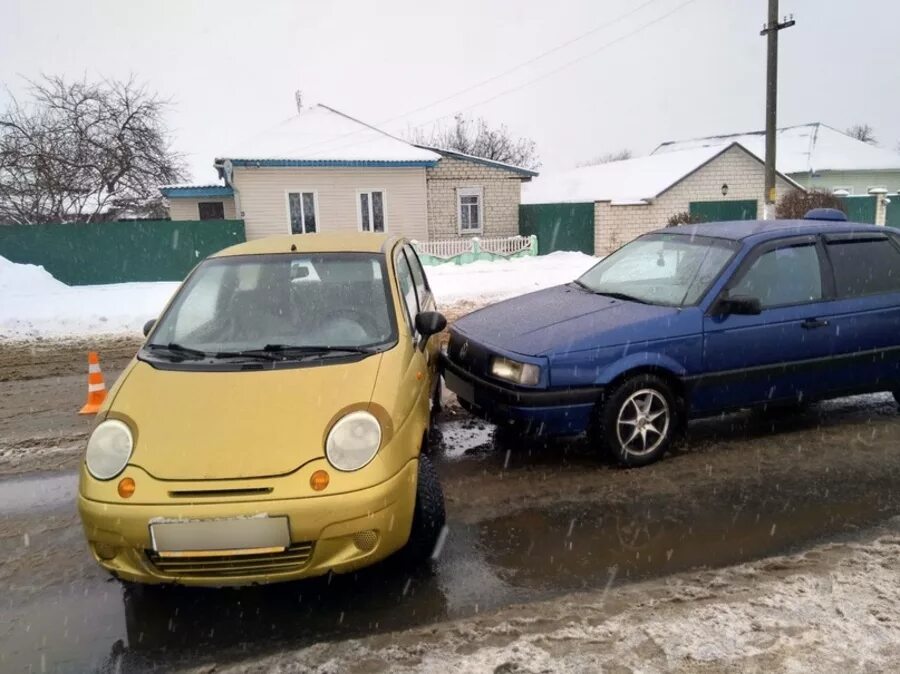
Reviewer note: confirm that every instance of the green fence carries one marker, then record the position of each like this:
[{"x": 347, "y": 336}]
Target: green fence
[
  {"x": 559, "y": 226},
  {"x": 118, "y": 252},
  {"x": 860, "y": 209}
]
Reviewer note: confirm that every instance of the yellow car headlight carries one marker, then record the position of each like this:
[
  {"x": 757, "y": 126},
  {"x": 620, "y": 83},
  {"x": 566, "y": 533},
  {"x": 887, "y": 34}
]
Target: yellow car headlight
[
  {"x": 514, "y": 371},
  {"x": 353, "y": 441},
  {"x": 109, "y": 449}
]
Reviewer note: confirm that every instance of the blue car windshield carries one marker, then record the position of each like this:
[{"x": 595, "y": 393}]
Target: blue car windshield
[{"x": 666, "y": 269}]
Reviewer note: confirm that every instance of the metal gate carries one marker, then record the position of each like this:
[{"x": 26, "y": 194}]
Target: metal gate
[
  {"x": 559, "y": 226},
  {"x": 722, "y": 211}
]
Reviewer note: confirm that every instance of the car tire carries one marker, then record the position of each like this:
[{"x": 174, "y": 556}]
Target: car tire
[
  {"x": 428, "y": 515},
  {"x": 639, "y": 419}
]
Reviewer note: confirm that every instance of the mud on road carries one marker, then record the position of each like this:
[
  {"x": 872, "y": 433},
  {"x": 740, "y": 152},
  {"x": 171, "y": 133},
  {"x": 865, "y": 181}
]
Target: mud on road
[{"x": 529, "y": 521}]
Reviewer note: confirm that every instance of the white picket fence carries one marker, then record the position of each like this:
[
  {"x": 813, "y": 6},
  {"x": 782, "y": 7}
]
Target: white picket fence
[{"x": 496, "y": 245}]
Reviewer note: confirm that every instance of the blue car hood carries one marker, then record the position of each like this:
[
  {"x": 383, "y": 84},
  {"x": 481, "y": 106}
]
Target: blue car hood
[{"x": 564, "y": 319}]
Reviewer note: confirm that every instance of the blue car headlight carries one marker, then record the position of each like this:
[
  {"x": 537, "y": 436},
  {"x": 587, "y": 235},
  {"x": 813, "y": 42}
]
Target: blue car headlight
[{"x": 514, "y": 371}]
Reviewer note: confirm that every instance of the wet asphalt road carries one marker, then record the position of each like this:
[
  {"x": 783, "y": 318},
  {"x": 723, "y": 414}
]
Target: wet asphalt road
[{"x": 527, "y": 521}]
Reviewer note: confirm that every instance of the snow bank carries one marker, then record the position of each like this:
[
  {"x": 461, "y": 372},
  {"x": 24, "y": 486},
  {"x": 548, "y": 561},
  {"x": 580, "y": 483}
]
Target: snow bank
[
  {"x": 482, "y": 282},
  {"x": 25, "y": 278},
  {"x": 35, "y": 305}
]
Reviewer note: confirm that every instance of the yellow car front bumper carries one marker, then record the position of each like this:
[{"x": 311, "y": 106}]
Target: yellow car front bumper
[{"x": 339, "y": 533}]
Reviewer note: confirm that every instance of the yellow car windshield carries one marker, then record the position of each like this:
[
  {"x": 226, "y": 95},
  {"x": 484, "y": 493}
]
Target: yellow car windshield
[{"x": 278, "y": 303}]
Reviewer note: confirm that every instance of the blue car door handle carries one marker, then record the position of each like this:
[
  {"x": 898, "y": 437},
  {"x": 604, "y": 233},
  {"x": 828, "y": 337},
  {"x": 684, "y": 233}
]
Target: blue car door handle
[{"x": 813, "y": 323}]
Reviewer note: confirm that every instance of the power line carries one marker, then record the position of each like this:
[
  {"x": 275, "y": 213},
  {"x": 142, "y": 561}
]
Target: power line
[
  {"x": 534, "y": 80},
  {"x": 496, "y": 77},
  {"x": 521, "y": 65},
  {"x": 577, "y": 60}
]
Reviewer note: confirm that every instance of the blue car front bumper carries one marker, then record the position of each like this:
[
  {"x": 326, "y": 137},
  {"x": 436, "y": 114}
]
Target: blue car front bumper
[{"x": 538, "y": 411}]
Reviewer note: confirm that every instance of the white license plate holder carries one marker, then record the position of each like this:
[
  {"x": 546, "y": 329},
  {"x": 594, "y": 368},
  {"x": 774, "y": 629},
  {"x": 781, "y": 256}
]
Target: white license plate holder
[{"x": 234, "y": 536}]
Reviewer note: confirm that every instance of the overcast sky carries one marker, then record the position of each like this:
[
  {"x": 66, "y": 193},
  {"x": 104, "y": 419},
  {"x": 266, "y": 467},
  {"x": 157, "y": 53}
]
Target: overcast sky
[{"x": 651, "y": 71}]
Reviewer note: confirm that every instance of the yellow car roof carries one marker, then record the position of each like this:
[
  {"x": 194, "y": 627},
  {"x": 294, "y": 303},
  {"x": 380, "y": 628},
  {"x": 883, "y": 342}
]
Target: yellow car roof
[{"x": 338, "y": 242}]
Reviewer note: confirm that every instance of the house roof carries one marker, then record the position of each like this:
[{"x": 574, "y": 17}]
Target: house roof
[
  {"x": 186, "y": 191},
  {"x": 528, "y": 173},
  {"x": 630, "y": 181},
  {"x": 808, "y": 148},
  {"x": 322, "y": 136}
]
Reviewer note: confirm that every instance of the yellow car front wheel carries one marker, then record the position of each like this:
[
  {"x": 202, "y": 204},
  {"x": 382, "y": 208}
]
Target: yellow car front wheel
[{"x": 429, "y": 517}]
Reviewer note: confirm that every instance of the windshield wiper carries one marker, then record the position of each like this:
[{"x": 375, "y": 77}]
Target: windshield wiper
[
  {"x": 622, "y": 296},
  {"x": 315, "y": 349},
  {"x": 178, "y": 349},
  {"x": 286, "y": 351}
]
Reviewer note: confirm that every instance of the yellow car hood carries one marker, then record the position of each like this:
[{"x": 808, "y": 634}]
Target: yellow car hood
[{"x": 233, "y": 425}]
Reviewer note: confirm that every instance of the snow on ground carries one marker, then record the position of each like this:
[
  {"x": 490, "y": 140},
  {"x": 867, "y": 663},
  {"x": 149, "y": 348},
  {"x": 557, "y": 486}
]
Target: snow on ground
[
  {"x": 483, "y": 282},
  {"x": 36, "y": 305}
]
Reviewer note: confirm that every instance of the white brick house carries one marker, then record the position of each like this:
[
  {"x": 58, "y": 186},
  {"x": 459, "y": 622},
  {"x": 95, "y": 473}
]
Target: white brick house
[
  {"x": 326, "y": 171},
  {"x": 459, "y": 181},
  {"x": 635, "y": 196}
]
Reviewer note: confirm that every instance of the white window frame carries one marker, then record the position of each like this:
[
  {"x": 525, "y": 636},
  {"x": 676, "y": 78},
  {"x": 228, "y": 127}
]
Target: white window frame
[
  {"x": 384, "y": 208},
  {"x": 470, "y": 192},
  {"x": 287, "y": 207}
]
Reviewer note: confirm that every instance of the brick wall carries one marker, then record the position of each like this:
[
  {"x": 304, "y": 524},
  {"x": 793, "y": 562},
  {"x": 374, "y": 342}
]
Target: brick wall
[
  {"x": 502, "y": 192},
  {"x": 744, "y": 175}
]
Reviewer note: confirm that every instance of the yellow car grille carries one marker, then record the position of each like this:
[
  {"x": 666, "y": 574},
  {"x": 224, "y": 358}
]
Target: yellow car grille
[{"x": 224, "y": 566}]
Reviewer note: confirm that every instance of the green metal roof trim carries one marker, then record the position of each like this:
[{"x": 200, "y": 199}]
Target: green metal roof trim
[
  {"x": 195, "y": 191},
  {"x": 344, "y": 163}
]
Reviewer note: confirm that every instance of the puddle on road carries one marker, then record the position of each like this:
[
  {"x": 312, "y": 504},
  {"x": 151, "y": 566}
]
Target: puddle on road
[
  {"x": 37, "y": 493},
  {"x": 528, "y": 555}
]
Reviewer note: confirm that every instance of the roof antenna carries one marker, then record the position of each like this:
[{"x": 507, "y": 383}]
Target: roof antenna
[{"x": 298, "y": 98}]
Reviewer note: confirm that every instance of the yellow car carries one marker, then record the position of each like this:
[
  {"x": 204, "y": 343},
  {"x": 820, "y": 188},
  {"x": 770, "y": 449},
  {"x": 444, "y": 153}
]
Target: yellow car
[{"x": 272, "y": 425}]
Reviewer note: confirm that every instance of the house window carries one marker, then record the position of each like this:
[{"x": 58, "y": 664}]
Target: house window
[
  {"x": 371, "y": 211},
  {"x": 302, "y": 212},
  {"x": 470, "y": 206},
  {"x": 211, "y": 210}
]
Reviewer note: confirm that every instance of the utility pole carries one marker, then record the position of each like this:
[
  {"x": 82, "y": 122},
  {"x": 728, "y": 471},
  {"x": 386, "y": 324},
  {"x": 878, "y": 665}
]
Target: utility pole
[{"x": 770, "y": 30}]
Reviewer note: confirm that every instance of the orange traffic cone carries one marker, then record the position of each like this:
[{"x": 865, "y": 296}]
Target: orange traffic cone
[{"x": 96, "y": 386}]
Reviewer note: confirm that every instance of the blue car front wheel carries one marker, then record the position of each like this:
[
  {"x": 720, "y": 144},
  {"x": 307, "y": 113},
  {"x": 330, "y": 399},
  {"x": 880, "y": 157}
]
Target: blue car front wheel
[{"x": 639, "y": 419}]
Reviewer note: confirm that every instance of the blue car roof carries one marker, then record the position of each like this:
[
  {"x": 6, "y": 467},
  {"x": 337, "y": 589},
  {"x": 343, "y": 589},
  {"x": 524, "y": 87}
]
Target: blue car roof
[{"x": 760, "y": 230}]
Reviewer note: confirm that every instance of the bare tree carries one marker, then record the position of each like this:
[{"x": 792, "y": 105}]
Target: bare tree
[
  {"x": 78, "y": 150},
  {"x": 863, "y": 132},
  {"x": 478, "y": 138},
  {"x": 796, "y": 203},
  {"x": 684, "y": 218},
  {"x": 607, "y": 157}
]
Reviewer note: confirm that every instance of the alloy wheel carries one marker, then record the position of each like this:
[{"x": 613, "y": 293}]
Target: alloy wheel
[{"x": 643, "y": 422}]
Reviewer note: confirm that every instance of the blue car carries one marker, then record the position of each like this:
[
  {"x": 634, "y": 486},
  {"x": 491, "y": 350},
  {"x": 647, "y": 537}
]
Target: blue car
[{"x": 688, "y": 322}]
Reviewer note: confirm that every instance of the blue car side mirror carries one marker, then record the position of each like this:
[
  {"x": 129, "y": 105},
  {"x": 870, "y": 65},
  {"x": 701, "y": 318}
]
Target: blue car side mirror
[{"x": 742, "y": 305}]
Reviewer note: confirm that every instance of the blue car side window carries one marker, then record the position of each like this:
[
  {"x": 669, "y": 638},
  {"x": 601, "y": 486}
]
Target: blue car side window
[{"x": 783, "y": 277}]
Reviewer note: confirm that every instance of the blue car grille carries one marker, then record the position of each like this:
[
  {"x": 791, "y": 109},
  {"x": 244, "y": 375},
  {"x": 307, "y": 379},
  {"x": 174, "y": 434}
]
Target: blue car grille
[{"x": 469, "y": 355}]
